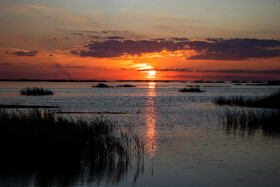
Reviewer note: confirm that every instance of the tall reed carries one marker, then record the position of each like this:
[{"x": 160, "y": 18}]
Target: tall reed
[
  {"x": 249, "y": 121},
  {"x": 194, "y": 89},
  {"x": 41, "y": 140},
  {"x": 271, "y": 101},
  {"x": 35, "y": 91}
]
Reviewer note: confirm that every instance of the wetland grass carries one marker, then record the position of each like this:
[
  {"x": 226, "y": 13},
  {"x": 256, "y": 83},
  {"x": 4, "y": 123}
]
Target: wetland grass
[
  {"x": 126, "y": 85},
  {"x": 271, "y": 101},
  {"x": 35, "y": 91},
  {"x": 194, "y": 89},
  {"x": 249, "y": 121},
  {"x": 42, "y": 141},
  {"x": 101, "y": 85}
]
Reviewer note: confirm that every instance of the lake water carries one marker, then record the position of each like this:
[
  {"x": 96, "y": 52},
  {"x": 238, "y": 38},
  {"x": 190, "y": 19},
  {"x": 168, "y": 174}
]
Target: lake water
[{"x": 185, "y": 142}]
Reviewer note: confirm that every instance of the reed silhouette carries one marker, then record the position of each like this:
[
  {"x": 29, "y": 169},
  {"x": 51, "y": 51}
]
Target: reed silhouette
[
  {"x": 271, "y": 101},
  {"x": 193, "y": 89},
  {"x": 250, "y": 121},
  {"x": 101, "y": 85},
  {"x": 35, "y": 91},
  {"x": 126, "y": 85},
  {"x": 61, "y": 148}
]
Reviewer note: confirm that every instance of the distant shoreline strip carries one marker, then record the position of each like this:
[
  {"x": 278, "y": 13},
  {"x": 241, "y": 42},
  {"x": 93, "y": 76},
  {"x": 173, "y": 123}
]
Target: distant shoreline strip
[
  {"x": 92, "y": 113},
  {"x": 27, "y": 106}
]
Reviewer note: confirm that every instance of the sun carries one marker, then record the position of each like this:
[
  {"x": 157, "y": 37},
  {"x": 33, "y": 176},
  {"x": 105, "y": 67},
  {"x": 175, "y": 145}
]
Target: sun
[{"x": 152, "y": 73}]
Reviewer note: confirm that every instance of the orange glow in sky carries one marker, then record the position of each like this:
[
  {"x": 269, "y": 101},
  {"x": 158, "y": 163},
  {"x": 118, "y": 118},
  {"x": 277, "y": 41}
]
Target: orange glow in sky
[{"x": 71, "y": 42}]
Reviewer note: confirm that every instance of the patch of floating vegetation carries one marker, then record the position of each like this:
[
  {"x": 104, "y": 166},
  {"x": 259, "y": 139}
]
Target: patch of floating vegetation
[
  {"x": 42, "y": 142},
  {"x": 101, "y": 85},
  {"x": 126, "y": 85},
  {"x": 195, "y": 89},
  {"x": 35, "y": 91},
  {"x": 250, "y": 121},
  {"x": 271, "y": 101}
]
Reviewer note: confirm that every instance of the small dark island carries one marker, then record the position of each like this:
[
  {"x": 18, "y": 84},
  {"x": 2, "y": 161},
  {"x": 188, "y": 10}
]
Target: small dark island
[
  {"x": 126, "y": 86},
  {"x": 195, "y": 89},
  {"x": 101, "y": 85}
]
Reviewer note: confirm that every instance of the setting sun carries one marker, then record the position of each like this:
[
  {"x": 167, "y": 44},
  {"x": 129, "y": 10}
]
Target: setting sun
[{"x": 152, "y": 73}]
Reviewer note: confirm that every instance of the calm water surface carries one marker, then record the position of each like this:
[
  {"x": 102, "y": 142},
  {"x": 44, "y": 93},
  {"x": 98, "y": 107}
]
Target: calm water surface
[{"x": 186, "y": 144}]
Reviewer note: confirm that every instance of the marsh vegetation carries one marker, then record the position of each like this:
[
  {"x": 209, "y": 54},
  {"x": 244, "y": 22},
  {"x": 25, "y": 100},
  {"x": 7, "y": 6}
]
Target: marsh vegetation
[
  {"x": 271, "y": 101},
  {"x": 192, "y": 89},
  {"x": 101, "y": 85},
  {"x": 250, "y": 121},
  {"x": 127, "y": 85},
  {"x": 35, "y": 91},
  {"x": 42, "y": 141}
]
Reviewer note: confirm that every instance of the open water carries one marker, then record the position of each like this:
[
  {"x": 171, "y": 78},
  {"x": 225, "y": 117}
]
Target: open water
[{"x": 186, "y": 143}]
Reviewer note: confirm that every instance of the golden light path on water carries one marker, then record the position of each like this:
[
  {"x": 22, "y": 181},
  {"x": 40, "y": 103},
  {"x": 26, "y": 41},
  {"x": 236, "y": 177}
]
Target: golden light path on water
[{"x": 151, "y": 133}]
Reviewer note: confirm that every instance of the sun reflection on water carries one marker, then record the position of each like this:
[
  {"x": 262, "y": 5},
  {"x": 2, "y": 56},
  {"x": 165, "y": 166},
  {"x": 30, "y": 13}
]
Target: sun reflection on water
[{"x": 151, "y": 133}]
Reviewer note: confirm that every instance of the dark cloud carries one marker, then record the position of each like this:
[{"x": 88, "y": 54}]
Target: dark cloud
[
  {"x": 159, "y": 39},
  {"x": 180, "y": 39},
  {"x": 115, "y": 48},
  {"x": 22, "y": 53},
  {"x": 178, "y": 69},
  {"x": 94, "y": 37},
  {"x": 236, "y": 49},
  {"x": 86, "y": 31},
  {"x": 214, "y": 39},
  {"x": 229, "y": 77},
  {"x": 78, "y": 34},
  {"x": 171, "y": 69},
  {"x": 245, "y": 71},
  {"x": 114, "y": 37},
  {"x": 75, "y": 67},
  {"x": 53, "y": 38},
  {"x": 113, "y": 32},
  {"x": 212, "y": 49},
  {"x": 75, "y": 52}
]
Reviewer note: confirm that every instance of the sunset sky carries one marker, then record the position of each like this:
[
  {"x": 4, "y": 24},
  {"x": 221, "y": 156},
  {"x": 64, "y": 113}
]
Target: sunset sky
[{"x": 127, "y": 39}]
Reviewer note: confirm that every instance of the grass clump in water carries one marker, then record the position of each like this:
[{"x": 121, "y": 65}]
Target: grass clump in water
[
  {"x": 40, "y": 140},
  {"x": 35, "y": 91},
  {"x": 195, "y": 89},
  {"x": 271, "y": 101},
  {"x": 249, "y": 121},
  {"x": 126, "y": 85},
  {"x": 101, "y": 85}
]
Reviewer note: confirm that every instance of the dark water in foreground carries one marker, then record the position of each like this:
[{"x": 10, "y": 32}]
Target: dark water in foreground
[{"x": 186, "y": 145}]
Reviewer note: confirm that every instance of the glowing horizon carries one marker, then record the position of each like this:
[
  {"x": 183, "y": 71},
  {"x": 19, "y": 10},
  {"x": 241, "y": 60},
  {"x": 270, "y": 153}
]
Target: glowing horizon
[{"x": 66, "y": 40}]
